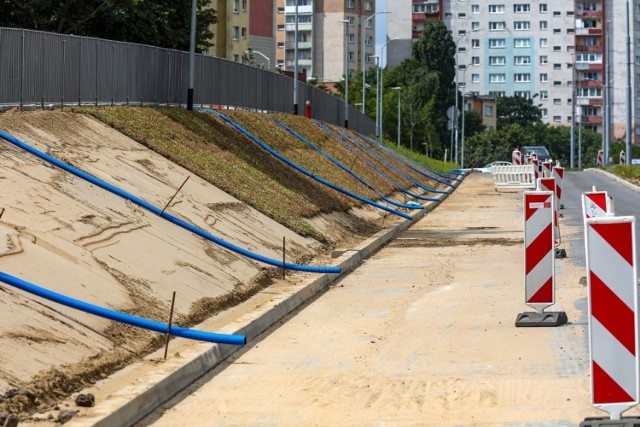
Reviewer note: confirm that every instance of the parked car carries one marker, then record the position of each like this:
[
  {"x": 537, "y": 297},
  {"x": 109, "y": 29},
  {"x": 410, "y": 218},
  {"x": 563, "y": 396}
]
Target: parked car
[
  {"x": 488, "y": 168},
  {"x": 542, "y": 152}
]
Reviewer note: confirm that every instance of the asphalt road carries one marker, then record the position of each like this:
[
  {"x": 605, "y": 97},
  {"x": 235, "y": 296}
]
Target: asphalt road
[{"x": 626, "y": 202}]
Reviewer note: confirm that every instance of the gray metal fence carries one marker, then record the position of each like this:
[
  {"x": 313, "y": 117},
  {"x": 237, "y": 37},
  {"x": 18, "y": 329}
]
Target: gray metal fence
[{"x": 48, "y": 69}]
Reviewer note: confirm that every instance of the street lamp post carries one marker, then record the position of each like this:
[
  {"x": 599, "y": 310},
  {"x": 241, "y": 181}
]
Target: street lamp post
[
  {"x": 382, "y": 50},
  {"x": 573, "y": 111},
  {"x": 398, "y": 89},
  {"x": 295, "y": 61},
  {"x": 346, "y": 72},
  {"x": 377, "y": 59},
  {"x": 263, "y": 55},
  {"x": 364, "y": 68},
  {"x": 192, "y": 55},
  {"x": 457, "y": 89}
]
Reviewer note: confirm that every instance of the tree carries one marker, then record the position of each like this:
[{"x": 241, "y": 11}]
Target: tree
[
  {"x": 249, "y": 58},
  {"x": 163, "y": 23},
  {"x": 485, "y": 147},
  {"x": 517, "y": 110}
]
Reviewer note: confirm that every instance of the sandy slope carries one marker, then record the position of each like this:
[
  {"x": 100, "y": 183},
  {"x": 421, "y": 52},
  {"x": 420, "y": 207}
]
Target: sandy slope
[{"x": 71, "y": 237}]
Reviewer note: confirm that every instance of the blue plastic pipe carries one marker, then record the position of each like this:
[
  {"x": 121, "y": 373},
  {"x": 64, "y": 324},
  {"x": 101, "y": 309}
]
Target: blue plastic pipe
[
  {"x": 371, "y": 165},
  {"x": 343, "y": 167},
  {"x": 408, "y": 177},
  {"x": 303, "y": 170},
  {"x": 409, "y": 159},
  {"x": 167, "y": 216},
  {"x": 129, "y": 319}
]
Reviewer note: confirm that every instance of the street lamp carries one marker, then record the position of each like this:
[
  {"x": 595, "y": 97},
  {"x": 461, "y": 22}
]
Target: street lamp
[
  {"x": 457, "y": 86},
  {"x": 364, "y": 68},
  {"x": 399, "y": 89},
  {"x": 295, "y": 61},
  {"x": 464, "y": 105},
  {"x": 377, "y": 59},
  {"x": 381, "y": 106},
  {"x": 346, "y": 72},
  {"x": 192, "y": 55},
  {"x": 263, "y": 55}
]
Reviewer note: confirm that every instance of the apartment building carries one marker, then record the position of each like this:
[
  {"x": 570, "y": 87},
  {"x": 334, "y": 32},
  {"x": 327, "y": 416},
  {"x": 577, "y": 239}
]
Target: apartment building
[
  {"x": 423, "y": 11},
  {"x": 322, "y": 37},
  {"x": 552, "y": 51},
  {"x": 511, "y": 47},
  {"x": 399, "y": 31},
  {"x": 231, "y": 32}
]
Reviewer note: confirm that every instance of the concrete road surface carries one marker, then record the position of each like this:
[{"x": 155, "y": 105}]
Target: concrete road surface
[{"x": 422, "y": 334}]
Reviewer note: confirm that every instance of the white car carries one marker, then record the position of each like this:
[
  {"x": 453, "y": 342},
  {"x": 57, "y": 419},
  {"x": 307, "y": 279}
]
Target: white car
[{"x": 488, "y": 168}]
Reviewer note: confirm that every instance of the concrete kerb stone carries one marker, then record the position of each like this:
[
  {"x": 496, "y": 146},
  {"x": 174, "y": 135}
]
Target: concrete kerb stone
[
  {"x": 616, "y": 179},
  {"x": 134, "y": 408}
]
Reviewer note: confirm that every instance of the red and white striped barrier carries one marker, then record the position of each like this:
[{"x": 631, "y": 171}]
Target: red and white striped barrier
[
  {"x": 558, "y": 174},
  {"x": 536, "y": 166},
  {"x": 549, "y": 184},
  {"x": 516, "y": 157},
  {"x": 613, "y": 313},
  {"x": 546, "y": 169},
  {"x": 539, "y": 257},
  {"x": 623, "y": 158},
  {"x": 599, "y": 159},
  {"x": 595, "y": 204},
  {"x": 527, "y": 159}
]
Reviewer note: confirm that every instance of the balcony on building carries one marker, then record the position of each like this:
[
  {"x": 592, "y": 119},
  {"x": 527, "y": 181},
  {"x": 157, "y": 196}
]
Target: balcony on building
[
  {"x": 304, "y": 6},
  {"x": 302, "y": 26},
  {"x": 589, "y": 119},
  {"x": 597, "y": 102},
  {"x": 307, "y": 62},
  {"x": 585, "y": 48}
]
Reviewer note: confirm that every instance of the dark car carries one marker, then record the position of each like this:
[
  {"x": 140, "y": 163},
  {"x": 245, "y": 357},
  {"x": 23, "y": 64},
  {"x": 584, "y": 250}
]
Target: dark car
[{"x": 542, "y": 152}]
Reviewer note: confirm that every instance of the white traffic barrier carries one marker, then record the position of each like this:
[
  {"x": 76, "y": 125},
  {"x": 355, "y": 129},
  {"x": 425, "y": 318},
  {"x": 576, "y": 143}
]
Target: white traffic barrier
[
  {"x": 599, "y": 159},
  {"x": 539, "y": 260},
  {"x": 558, "y": 174},
  {"x": 595, "y": 204},
  {"x": 536, "y": 166},
  {"x": 613, "y": 313},
  {"x": 509, "y": 177},
  {"x": 516, "y": 157},
  {"x": 549, "y": 184},
  {"x": 527, "y": 159},
  {"x": 546, "y": 169}
]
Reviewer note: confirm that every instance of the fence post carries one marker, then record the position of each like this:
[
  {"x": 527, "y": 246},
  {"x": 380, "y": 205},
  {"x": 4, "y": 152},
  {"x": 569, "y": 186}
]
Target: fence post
[
  {"x": 64, "y": 42},
  {"x": 22, "y": 73}
]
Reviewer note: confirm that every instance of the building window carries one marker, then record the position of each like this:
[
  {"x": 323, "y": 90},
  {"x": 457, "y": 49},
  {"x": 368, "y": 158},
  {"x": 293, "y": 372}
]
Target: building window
[
  {"x": 543, "y": 25},
  {"x": 351, "y": 38},
  {"x": 557, "y": 83},
  {"x": 521, "y": 60},
  {"x": 544, "y": 60},
  {"x": 475, "y": 26},
  {"x": 280, "y": 27},
  {"x": 497, "y": 26},
  {"x": 543, "y": 8},
  {"x": 243, "y": 32},
  {"x": 557, "y": 101},
  {"x": 521, "y": 43},
  {"x": 235, "y": 6},
  {"x": 475, "y": 43},
  {"x": 522, "y": 94},
  {"x": 544, "y": 112},
  {"x": 521, "y": 25},
  {"x": 544, "y": 77},
  {"x": 475, "y": 8},
  {"x": 544, "y": 95},
  {"x": 235, "y": 31},
  {"x": 544, "y": 43},
  {"x": 497, "y": 60},
  {"x": 497, "y": 78},
  {"x": 521, "y": 8},
  {"x": 350, "y": 56},
  {"x": 462, "y": 15},
  {"x": 475, "y": 78},
  {"x": 488, "y": 110},
  {"x": 497, "y": 43},
  {"x": 496, "y": 8},
  {"x": 557, "y": 118},
  {"x": 475, "y": 60},
  {"x": 522, "y": 77},
  {"x": 351, "y": 4},
  {"x": 368, "y": 6},
  {"x": 243, "y": 6},
  {"x": 236, "y": 58}
]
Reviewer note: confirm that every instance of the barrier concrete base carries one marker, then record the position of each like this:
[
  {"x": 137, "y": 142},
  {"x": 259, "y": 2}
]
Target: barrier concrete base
[
  {"x": 532, "y": 319},
  {"x": 602, "y": 422},
  {"x": 561, "y": 253}
]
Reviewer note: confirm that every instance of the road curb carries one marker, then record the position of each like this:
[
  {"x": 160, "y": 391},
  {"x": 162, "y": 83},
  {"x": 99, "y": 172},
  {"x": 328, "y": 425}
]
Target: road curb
[
  {"x": 616, "y": 179},
  {"x": 136, "y": 406}
]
